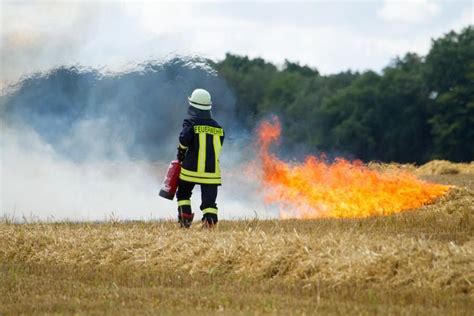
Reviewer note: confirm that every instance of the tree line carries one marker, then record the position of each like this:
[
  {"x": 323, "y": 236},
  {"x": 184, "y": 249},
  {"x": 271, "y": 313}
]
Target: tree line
[{"x": 416, "y": 109}]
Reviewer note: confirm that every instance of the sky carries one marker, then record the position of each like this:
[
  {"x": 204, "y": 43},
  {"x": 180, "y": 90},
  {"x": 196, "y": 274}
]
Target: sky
[{"x": 331, "y": 36}]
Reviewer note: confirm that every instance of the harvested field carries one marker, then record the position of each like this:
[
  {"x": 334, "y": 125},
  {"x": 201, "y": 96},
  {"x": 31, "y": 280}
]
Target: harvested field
[
  {"x": 442, "y": 167},
  {"x": 431, "y": 168},
  {"x": 416, "y": 262}
]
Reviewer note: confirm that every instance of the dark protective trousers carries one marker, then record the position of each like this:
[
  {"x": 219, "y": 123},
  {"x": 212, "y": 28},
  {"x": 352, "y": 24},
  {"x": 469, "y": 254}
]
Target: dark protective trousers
[{"x": 208, "y": 199}]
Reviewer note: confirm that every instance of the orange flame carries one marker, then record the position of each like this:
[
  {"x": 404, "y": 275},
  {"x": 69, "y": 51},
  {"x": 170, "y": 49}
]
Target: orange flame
[{"x": 316, "y": 189}]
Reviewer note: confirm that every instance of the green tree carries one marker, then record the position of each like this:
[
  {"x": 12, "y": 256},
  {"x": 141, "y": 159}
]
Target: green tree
[
  {"x": 345, "y": 120},
  {"x": 416, "y": 109},
  {"x": 400, "y": 123},
  {"x": 449, "y": 75},
  {"x": 249, "y": 78}
]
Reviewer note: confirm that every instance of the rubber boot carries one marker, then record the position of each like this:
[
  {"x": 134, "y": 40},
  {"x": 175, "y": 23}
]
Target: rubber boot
[
  {"x": 185, "y": 219},
  {"x": 209, "y": 220}
]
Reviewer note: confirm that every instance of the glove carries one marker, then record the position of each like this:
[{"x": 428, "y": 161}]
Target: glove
[{"x": 181, "y": 154}]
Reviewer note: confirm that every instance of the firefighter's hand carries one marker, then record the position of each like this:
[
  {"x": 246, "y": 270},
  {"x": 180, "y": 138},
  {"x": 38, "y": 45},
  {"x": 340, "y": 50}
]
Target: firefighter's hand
[{"x": 181, "y": 154}]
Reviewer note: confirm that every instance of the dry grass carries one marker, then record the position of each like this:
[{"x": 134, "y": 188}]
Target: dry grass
[
  {"x": 431, "y": 168},
  {"x": 419, "y": 262},
  {"x": 441, "y": 167}
]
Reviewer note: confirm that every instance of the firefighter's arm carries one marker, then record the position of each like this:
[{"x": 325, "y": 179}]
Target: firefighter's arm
[{"x": 185, "y": 139}]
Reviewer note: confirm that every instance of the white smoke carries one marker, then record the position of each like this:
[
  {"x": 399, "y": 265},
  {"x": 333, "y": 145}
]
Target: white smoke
[
  {"x": 39, "y": 184},
  {"x": 68, "y": 174}
]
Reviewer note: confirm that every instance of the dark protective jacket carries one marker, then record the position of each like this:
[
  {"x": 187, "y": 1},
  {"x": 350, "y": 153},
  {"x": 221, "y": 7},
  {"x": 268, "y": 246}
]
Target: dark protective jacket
[{"x": 203, "y": 138}]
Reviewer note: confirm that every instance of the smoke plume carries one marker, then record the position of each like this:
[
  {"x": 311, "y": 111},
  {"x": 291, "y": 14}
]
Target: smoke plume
[{"x": 80, "y": 144}]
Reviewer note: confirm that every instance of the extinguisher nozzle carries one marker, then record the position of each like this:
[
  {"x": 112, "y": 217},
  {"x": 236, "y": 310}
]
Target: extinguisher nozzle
[{"x": 166, "y": 195}]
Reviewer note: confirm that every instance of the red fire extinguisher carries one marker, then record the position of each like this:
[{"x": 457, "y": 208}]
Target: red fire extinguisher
[{"x": 170, "y": 184}]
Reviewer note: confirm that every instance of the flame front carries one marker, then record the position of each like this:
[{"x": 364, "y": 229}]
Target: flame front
[{"x": 315, "y": 189}]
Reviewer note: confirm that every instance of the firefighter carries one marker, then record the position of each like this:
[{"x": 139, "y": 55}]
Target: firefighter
[{"x": 200, "y": 144}]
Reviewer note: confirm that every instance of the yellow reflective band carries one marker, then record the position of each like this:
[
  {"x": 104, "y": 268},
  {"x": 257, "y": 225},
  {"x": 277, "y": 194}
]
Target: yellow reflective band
[
  {"x": 200, "y": 180},
  {"x": 204, "y": 129},
  {"x": 200, "y": 174},
  {"x": 184, "y": 202},
  {"x": 210, "y": 210},
  {"x": 182, "y": 146},
  {"x": 217, "y": 151},
  {"x": 201, "y": 167}
]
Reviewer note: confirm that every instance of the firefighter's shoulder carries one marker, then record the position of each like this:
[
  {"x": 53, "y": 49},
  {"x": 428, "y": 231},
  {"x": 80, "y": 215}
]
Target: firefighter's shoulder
[
  {"x": 188, "y": 122},
  {"x": 215, "y": 123}
]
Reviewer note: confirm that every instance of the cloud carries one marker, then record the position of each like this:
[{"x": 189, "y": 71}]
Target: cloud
[
  {"x": 37, "y": 36},
  {"x": 466, "y": 18},
  {"x": 416, "y": 11}
]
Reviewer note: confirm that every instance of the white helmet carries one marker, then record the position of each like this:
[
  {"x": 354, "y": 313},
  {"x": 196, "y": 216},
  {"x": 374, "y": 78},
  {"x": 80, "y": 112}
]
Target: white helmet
[{"x": 200, "y": 99}]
